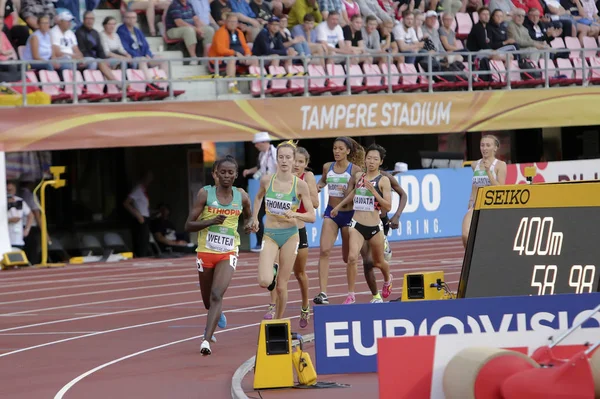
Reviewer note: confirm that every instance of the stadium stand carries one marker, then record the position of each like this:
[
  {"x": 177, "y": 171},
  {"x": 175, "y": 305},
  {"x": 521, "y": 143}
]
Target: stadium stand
[{"x": 196, "y": 82}]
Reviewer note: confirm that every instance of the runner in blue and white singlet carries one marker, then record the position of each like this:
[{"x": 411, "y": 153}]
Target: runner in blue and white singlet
[{"x": 488, "y": 171}]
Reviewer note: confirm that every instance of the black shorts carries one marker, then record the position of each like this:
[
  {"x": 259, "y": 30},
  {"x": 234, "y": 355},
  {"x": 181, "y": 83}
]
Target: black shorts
[
  {"x": 303, "y": 243},
  {"x": 367, "y": 232},
  {"x": 385, "y": 220}
]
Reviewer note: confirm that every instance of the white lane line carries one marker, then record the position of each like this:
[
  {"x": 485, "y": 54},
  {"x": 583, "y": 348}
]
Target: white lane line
[
  {"x": 47, "y": 333},
  {"x": 74, "y": 381}
]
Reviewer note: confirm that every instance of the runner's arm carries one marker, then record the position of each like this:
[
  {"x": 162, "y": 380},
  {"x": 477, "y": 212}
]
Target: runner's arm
[
  {"x": 309, "y": 216},
  {"x": 312, "y": 187},
  {"x": 246, "y": 209},
  {"x": 323, "y": 180},
  {"x": 403, "y": 198},
  {"x": 260, "y": 195}
]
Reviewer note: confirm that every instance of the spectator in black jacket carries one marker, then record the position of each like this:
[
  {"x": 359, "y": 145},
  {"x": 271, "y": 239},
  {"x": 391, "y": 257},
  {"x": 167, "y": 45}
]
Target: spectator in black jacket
[
  {"x": 538, "y": 30},
  {"x": 269, "y": 42},
  {"x": 499, "y": 39},
  {"x": 90, "y": 45}
]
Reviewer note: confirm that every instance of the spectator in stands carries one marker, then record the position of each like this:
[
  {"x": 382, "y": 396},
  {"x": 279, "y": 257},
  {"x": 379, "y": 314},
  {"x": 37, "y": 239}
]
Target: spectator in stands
[
  {"x": 506, "y": 6},
  {"x": 182, "y": 23},
  {"x": 90, "y": 45},
  {"x": 388, "y": 41},
  {"x": 7, "y": 52},
  {"x": 309, "y": 33},
  {"x": 262, "y": 10},
  {"x": 31, "y": 10},
  {"x": 479, "y": 39},
  {"x": 33, "y": 239},
  {"x": 138, "y": 205},
  {"x": 520, "y": 34},
  {"x": 350, "y": 8},
  {"x": 371, "y": 37},
  {"x": 247, "y": 17},
  {"x": 229, "y": 41},
  {"x": 540, "y": 31},
  {"x": 331, "y": 36},
  {"x": 448, "y": 36},
  {"x": 136, "y": 45},
  {"x": 299, "y": 44},
  {"x": 383, "y": 10},
  {"x": 329, "y": 6},
  {"x": 473, "y": 5},
  {"x": 203, "y": 12},
  {"x": 569, "y": 25},
  {"x": 406, "y": 37},
  {"x": 586, "y": 16},
  {"x": 430, "y": 31},
  {"x": 450, "y": 6},
  {"x": 499, "y": 39},
  {"x": 269, "y": 42},
  {"x": 111, "y": 42},
  {"x": 219, "y": 10},
  {"x": 149, "y": 7},
  {"x": 418, "y": 24},
  {"x": 19, "y": 217},
  {"x": 166, "y": 235},
  {"x": 302, "y": 8},
  {"x": 64, "y": 41},
  {"x": 354, "y": 40},
  {"x": 39, "y": 46}
]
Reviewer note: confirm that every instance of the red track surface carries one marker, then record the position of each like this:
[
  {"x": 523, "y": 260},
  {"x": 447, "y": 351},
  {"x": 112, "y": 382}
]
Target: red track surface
[{"x": 132, "y": 329}]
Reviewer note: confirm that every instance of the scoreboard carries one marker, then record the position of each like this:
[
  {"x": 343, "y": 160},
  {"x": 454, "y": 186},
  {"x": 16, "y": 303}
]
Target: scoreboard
[{"x": 540, "y": 239}]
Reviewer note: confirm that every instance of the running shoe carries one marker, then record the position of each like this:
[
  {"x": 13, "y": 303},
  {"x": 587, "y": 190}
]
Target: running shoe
[
  {"x": 213, "y": 339},
  {"x": 205, "y": 348},
  {"x": 222, "y": 321},
  {"x": 321, "y": 299},
  {"x": 350, "y": 299},
  {"x": 387, "y": 250},
  {"x": 377, "y": 299},
  {"x": 270, "y": 312},
  {"x": 387, "y": 288},
  {"x": 274, "y": 283},
  {"x": 304, "y": 317}
]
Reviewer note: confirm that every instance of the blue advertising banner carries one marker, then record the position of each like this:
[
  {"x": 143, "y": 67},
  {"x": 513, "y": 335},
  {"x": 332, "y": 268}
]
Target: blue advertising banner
[
  {"x": 346, "y": 335},
  {"x": 437, "y": 203}
]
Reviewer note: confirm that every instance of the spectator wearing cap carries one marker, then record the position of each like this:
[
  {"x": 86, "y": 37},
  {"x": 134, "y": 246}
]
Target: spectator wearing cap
[
  {"x": 267, "y": 164},
  {"x": 301, "y": 8},
  {"x": 90, "y": 45},
  {"x": 229, "y": 41},
  {"x": 136, "y": 45},
  {"x": 269, "y": 42},
  {"x": 309, "y": 46},
  {"x": 64, "y": 41},
  {"x": 182, "y": 23},
  {"x": 32, "y": 10},
  {"x": 520, "y": 34}
]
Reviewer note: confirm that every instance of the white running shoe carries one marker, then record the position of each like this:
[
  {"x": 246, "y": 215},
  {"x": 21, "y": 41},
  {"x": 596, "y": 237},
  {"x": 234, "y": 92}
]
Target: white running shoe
[
  {"x": 205, "y": 348},
  {"x": 387, "y": 250}
]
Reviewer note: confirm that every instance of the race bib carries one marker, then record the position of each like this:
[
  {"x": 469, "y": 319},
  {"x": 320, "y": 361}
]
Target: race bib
[
  {"x": 364, "y": 200},
  {"x": 480, "y": 178},
  {"x": 220, "y": 239},
  {"x": 278, "y": 206},
  {"x": 337, "y": 186}
]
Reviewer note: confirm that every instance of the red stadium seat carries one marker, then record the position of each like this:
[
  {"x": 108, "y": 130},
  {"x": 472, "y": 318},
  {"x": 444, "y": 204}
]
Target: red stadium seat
[
  {"x": 279, "y": 86},
  {"x": 498, "y": 78},
  {"x": 590, "y": 42},
  {"x": 53, "y": 90},
  {"x": 337, "y": 77},
  {"x": 566, "y": 68},
  {"x": 464, "y": 25},
  {"x": 93, "y": 87},
  {"x": 574, "y": 45},
  {"x": 595, "y": 70},
  {"x": 357, "y": 78},
  {"x": 297, "y": 82},
  {"x": 444, "y": 84},
  {"x": 160, "y": 75},
  {"x": 374, "y": 80},
  {"x": 395, "y": 77},
  {"x": 143, "y": 90},
  {"x": 82, "y": 93},
  {"x": 255, "y": 84},
  {"x": 410, "y": 78}
]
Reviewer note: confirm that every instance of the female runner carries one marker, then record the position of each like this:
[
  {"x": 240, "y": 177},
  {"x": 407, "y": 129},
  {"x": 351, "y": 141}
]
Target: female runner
[
  {"x": 215, "y": 215},
  {"x": 338, "y": 176},
  {"x": 283, "y": 193},
  {"x": 372, "y": 194},
  {"x": 302, "y": 160},
  {"x": 488, "y": 171}
]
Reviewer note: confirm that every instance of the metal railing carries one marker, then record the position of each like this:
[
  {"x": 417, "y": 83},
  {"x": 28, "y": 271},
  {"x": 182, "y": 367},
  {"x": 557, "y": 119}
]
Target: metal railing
[{"x": 472, "y": 76}]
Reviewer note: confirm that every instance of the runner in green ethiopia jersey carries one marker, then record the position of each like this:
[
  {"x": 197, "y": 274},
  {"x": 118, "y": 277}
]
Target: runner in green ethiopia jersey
[
  {"x": 488, "y": 171},
  {"x": 371, "y": 195},
  {"x": 283, "y": 192},
  {"x": 215, "y": 216}
]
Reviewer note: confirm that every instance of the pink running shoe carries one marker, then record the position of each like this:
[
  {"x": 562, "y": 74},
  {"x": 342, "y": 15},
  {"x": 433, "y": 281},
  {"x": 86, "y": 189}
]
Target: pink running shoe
[
  {"x": 387, "y": 288},
  {"x": 304, "y": 317},
  {"x": 270, "y": 312},
  {"x": 350, "y": 299}
]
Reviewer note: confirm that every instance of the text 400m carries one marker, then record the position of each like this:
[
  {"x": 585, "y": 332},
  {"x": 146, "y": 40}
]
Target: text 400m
[
  {"x": 582, "y": 278},
  {"x": 535, "y": 237}
]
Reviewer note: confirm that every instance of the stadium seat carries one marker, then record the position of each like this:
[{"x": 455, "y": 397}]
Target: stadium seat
[
  {"x": 296, "y": 82},
  {"x": 54, "y": 90},
  {"x": 337, "y": 78},
  {"x": 115, "y": 242},
  {"x": 557, "y": 43},
  {"x": 317, "y": 80},
  {"x": 517, "y": 79},
  {"x": 395, "y": 77},
  {"x": 443, "y": 84},
  {"x": 82, "y": 93},
  {"x": 595, "y": 70},
  {"x": 357, "y": 78},
  {"x": 410, "y": 78},
  {"x": 578, "y": 64},
  {"x": 590, "y": 42},
  {"x": 91, "y": 78},
  {"x": 566, "y": 69},
  {"x": 165, "y": 38},
  {"x": 255, "y": 84},
  {"x": 498, "y": 78},
  {"x": 143, "y": 90},
  {"x": 475, "y": 17},
  {"x": 573, "y": 44},
  {"x": 279, "y": 86},
  {"x": 373, "y": 81},
  {"x": 160, "y": 75},
  {"x": 90, "y": 245},
  {"x": 464, "y": 25}
]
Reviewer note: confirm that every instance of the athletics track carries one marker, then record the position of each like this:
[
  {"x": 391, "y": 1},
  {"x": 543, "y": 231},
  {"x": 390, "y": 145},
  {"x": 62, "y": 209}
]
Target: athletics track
[{"x": 132, "y": 329}]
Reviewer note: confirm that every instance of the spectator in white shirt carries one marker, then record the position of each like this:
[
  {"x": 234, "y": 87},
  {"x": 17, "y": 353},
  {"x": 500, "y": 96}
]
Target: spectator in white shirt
[
  {"x": 267, "y": 164},
  {"x": 138, "y": 205},
  {"x": 331, "y": 36},
  {"x": 64, "y": 42},
  {"x": 19, "y": 215},
  {"x": 406, "y": 37}
]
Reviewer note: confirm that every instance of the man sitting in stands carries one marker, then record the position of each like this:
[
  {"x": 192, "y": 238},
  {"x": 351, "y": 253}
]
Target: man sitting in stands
[
  {"x": 331, "y": 36},
  {"x": 64, "y": 42},
  {"x": 183, "y": 23},
  {"x": 269, "y": 42},
  {"x": 247, "y": 17},
  {"x": 134, "y": 42},
  {"x": 166, "y": 235},
  {"x": 517, "y": 31},
  {"x": 229, "y": 41},
  {"x": 90, "y": 45}
]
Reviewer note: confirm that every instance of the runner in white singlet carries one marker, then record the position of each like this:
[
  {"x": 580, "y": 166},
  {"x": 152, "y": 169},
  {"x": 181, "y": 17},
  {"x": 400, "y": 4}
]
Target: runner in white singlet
[{"x": 488, "y": 171}]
